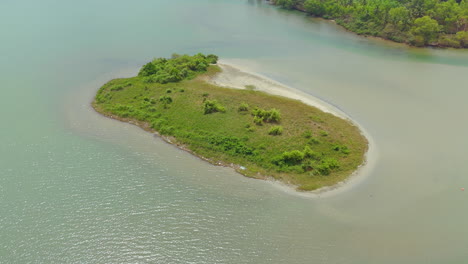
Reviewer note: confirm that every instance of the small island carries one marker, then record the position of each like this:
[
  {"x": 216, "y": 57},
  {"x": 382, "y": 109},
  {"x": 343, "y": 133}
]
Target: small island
[{"x": 258, "y": 134}]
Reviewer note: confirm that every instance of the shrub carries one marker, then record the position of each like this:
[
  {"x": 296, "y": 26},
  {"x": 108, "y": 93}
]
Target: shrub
[
  {"x": 276, "y": 131},
  {"x": 289, "y": 158},
  {"x": 341, "y": 148},
  {"x": 288, "y": 4},
  {"x": 175, "y": 69},
  {"x": 243, "y": 107},
  {"x": 168, "y": 90},
  {"x": 293, "y": 157},
  {"x": 272, "y": 115},
  {"x": 258, "y": 120},
  {"x": 147, "y": 70},
  {"x": 166, "y": 130},
  {"x": 117, "y": 88},
  {"x": 314, "y": 7},
  {"x": 323, "y": 133},
  {"x": 258, "y": 112},
  {"x": 313, "y": 141},
  {"x": 159, "y": 123},
  {"x": 211, "y": 58},
  {"x": 101, "y": 98},
  {"x": 230, "y": 144},
  {"x": 462, "y": 36},
  {"x": 162, "y": 77},
  {"x": 323, "y": 169},
  {"x": 212, "y": 106},
  {"x": 309, "y": 153},
  {"x": 165, "y": 99},
  {"x": 417, "y": 41},
  {"x": 308, "y": 165},
  {"x": 307, "y": 134},
  {"x": 449, "y": 41},
  {"x": 327, "y": 165}
]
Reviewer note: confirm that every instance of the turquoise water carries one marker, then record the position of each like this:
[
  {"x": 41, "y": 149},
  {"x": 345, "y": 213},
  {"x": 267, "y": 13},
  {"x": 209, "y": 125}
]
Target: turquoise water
[{"x": 79, "y": 188}]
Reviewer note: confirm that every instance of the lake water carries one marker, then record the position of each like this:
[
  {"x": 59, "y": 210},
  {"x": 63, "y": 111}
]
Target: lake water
[{"x": 76, "y": 187}]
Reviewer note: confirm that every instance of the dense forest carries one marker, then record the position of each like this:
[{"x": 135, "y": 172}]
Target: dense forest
[{"x": 416, "y": 22}]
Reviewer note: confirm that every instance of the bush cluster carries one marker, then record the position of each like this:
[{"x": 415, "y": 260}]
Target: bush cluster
[
  {"x": 129, "y": 111},
  {"x": 261, "y": 115},
  {"x": 243, "y": 107},
  {"x": 306, "y": 160},
  {"x": 165, "y": 99},
  {"x": 103, "y": 97},
  {"x": 275, "y": 130},
  {"x": 212, "y": 106},
  {"x": 233, "y": 145},
  {"x": 313, "y": 141},
  {"x": 177, "y": 68},
  {"x": 163, "y": 127},
  {"x": 341, "y": 148}
]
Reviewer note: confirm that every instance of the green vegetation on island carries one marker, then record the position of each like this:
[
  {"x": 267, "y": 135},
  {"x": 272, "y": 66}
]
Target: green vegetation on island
[
  {"x": 259, "y": 134},
  {"x": 416, "y": 22}
]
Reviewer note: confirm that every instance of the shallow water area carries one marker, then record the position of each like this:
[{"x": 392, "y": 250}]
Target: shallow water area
[{"x": 78, "y": 187}]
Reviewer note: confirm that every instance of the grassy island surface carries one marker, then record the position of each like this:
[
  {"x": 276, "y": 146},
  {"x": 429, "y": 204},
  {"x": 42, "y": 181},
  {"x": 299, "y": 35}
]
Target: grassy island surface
[{"x": 260, "y": 135}]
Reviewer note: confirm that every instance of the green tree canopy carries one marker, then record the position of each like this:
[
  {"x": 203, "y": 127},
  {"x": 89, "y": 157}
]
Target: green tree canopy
[
  {"x": 425, "y": 30},
  {"x": 418, "y": 22}
]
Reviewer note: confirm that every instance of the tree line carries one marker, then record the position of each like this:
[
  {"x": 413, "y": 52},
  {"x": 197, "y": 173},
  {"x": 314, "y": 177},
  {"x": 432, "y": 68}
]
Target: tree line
[{"x": 416, "y": 22}]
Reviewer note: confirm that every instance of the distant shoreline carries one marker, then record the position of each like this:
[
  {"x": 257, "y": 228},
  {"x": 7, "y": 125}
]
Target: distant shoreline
[{"x": 392, "y": 32}]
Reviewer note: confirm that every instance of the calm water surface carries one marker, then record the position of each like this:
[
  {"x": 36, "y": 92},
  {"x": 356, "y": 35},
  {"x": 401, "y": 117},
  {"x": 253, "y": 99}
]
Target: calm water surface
[{"x": 79, "y": 188}]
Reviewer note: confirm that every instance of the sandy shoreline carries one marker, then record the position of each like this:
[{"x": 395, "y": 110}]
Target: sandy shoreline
[{"x": 234, "y": 76}]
